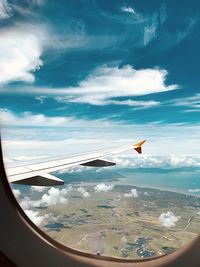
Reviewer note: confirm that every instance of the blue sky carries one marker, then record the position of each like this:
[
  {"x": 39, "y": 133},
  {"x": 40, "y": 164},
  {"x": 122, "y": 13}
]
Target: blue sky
[{"x": 108, "y": 70}]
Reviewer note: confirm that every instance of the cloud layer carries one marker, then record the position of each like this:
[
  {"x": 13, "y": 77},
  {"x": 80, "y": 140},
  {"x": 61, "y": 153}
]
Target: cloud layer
[
  {"x": 7, "y": 117},
  {"x": 150, "y": 161}
]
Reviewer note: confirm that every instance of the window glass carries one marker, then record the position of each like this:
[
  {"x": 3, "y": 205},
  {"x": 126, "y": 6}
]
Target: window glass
[{"x": 80, "y": 79}]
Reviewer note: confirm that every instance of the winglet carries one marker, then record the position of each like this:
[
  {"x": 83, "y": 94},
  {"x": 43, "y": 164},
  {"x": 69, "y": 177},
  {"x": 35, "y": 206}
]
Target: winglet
[{"x": 138, "y": 146}]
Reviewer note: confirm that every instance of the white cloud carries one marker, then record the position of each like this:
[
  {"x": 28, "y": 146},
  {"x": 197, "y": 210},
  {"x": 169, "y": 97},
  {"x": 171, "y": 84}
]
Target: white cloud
[
  {"x": 83, "y": 192},
  {"x": 26, "y": 203},
  {"x": 4, "y": 10},
  {"x": 196, "y": 190},
  {"x": 128, "y": 9},
  {"x": 55, "y": 196},
  {"x": 103, "y": 187},
  {"x": 16, "y": 192},
  {"x": 21, "y": 48},
  {"x": 7, "y": 117},
  {"x": 38, "y": 188},
  {"x": 162, "y": 139},
  {"x": 106, "y": 83},
  {"x": 149, "y": 161},
  {"x": 198, "y": 213},
  {"x": 36, "y": 218},
  {"x": 191, "y": 103},
  {"x": 150, "y": 32},
  {"x": 132, "y": 103},
  {"x": 133, "y": 193},
  {"x": 168, "y": 219},
  {"x": 27, "y": 118},
  {"x": 41, "y": 98}
]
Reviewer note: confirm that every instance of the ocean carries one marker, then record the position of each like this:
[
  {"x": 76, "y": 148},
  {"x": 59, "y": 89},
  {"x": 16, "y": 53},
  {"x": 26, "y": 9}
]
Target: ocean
[{"x": 183, "y": 180}]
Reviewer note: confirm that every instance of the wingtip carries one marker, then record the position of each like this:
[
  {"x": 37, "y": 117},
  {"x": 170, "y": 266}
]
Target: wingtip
[{"x": 138, "y": 146}]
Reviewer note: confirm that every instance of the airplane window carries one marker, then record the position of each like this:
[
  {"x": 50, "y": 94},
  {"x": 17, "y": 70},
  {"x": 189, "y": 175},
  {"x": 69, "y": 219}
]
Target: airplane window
[{"x": 83, "y": 85}]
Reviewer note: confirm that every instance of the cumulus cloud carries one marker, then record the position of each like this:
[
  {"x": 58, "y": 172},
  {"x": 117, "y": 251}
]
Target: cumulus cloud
[
  {"x": 36, "y": 218},
  {"x": 16, "y": 192},
  {"x": 21, "y": 48},
  {"x": 103, "y": 187},
  {"x": 106, "y": 83},
  {"x": 26, "y": 203},
  {"x": 133, "y": 193},
  {"x": 55, "y": 196},
  {"x": 128, "y": 9},
  {"x": 168, "y": 219},
  {"x": 83, "y": 192},
  {"x": 38, "y": 188},
  {"x": 4, "y": 10}
]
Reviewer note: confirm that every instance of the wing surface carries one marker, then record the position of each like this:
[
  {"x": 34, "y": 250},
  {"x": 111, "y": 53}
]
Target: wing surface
[{"x": 39, "y": 173}]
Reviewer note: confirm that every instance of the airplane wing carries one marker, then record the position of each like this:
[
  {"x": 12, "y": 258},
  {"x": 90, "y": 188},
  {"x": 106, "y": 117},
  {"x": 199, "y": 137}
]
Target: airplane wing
[{"x": 39, "y": 173}]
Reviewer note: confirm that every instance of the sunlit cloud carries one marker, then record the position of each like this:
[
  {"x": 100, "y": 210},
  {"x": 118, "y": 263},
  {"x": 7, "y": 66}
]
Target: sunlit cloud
[
  {"x": 7, "y": 117},
  {"x": 168, "y": 219},
  {"x": 128, "y": 9},
  {"x": 150, "y": 161},
  {"x": 133, "y": 194},
  {"x": 36, "y": 218},
  {"x": 55, "y": 196},
  {"x": 38, "y": 188},
  {"x": 83, "y": 192},
  {"x": 103, "y": 187},
  {"x": 106, "y": 83},
  {"x": 21, "y": 48}
]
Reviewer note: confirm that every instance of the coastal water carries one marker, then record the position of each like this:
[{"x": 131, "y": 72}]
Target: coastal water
[{"x": 185, "y": 180}]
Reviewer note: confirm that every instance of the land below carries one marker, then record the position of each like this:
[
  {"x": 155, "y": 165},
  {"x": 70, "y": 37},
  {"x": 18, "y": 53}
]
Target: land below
[{"x": 115, "y": 224}]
